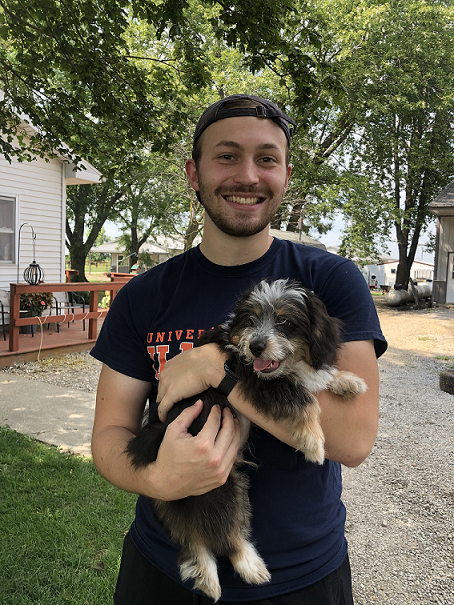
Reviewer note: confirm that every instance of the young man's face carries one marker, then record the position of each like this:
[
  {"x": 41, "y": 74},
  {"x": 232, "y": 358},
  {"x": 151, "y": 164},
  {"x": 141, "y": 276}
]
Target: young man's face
[{"x": 242, "y": 173}]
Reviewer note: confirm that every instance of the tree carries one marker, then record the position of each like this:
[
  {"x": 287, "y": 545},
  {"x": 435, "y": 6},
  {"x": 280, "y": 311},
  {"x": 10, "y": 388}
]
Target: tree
[
  {"x": 160, "y": 202},
  {"x": 108, "y": 79},
  {"x": 102, "y": 238},
  {"x": 76, "y": 71},
  {"x": 402, "y": 150},
  {"x": 88, "y": 208}
]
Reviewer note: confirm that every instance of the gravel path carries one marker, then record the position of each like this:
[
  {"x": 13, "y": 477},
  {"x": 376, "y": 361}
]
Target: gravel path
[{"x": 400, "y": 501}]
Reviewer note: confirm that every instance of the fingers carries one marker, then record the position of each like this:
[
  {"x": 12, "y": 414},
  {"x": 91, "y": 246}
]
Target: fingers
[
  {"x": 190, "y": 466},
  {"x": 229, "y": 437},
  {"x": 189, "y": 373},
  {"x": 222, "y": 431},
  {"x": 184, "y": 420}
]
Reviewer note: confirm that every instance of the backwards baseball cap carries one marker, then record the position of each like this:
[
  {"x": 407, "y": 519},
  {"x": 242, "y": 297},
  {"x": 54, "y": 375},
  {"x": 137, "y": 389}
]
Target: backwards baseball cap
[{"x": 266, "y": 109}]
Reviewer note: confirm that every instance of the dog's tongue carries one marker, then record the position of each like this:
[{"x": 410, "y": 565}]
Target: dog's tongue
[{"x": 265, "y": 365}]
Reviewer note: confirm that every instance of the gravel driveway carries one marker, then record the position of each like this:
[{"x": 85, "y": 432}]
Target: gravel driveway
[{"x": 400, "y": 501}]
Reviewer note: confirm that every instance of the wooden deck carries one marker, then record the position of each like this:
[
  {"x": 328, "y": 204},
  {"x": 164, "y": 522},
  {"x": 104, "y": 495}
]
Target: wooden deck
[{"x": 52, "y": 344}]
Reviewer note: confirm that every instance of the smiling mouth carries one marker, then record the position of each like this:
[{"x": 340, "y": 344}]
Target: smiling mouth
[
  {"x": 265, "y": 365},
  {"x": 245, "y": 201}
]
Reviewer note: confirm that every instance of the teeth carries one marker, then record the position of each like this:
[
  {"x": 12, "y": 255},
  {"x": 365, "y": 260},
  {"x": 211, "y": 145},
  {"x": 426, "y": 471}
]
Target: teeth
[{"x": 247, "y": 201}]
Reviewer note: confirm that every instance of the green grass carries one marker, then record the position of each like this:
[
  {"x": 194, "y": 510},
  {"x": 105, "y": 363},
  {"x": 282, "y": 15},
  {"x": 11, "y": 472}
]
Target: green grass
[
  {"x": 61, "y": 526},
  {"x": 447, "y": 358}
]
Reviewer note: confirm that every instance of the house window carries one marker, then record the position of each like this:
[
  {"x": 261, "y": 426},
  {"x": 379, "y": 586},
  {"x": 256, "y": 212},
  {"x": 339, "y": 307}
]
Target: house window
[
  {"x": 7, "y": 228},
  {"x": 393, "y": 271}
]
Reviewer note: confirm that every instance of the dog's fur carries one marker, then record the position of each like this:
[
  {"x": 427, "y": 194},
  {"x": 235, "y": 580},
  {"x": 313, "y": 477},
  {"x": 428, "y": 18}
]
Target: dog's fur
[{"x": 283, "y": 345}]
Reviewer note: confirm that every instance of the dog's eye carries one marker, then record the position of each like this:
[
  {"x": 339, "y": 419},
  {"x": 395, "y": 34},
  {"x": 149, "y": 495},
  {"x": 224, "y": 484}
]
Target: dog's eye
[{"x": 285, "y": 323}]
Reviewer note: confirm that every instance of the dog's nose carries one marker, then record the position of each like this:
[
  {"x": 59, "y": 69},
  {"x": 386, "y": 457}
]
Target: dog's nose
[{"x": 257, "y": 347}]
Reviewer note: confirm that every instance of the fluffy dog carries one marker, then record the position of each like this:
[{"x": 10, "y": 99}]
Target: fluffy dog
[{"x": 282, "y": 345}]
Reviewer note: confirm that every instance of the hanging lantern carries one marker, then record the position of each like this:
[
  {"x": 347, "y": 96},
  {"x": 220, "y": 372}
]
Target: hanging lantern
[{"x": 33, "y": 274}]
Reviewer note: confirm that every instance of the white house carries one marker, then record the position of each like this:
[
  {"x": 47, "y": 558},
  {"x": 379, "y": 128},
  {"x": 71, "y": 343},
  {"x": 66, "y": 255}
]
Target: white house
[
  {"x": 33, "y": 200},
  {"x": 443, "y": 207},
  {"x": 384, "y": 272},
  {"x": 158, "y": 253}
]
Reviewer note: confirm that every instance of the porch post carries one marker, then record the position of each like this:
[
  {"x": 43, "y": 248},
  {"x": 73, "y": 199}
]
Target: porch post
[{"x": 14, "y": 314}]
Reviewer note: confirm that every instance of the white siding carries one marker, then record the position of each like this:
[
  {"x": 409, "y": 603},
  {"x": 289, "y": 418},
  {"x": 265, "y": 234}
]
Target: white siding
[
  {"x": 446, "y": 245},
  {"x": 386, "y": 272},
  {"x": 39, "y": 188}
]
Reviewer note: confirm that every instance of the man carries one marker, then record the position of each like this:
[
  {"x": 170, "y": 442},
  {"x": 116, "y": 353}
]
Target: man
[{"x": 240, "y": 172}]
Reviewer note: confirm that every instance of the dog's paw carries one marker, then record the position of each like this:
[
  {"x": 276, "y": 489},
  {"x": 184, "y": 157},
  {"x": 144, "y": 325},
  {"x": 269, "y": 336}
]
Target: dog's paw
[
  {"x": 313, "y": 449},
  {"x": 250, "y": 565},
  {"x": 308, "y": 434},
  {"x": 210, "y": 588},
  {"x": 347, "y": 385},
  {"x": 311, "y": 443},
  {"x": 203, "y": 570}
]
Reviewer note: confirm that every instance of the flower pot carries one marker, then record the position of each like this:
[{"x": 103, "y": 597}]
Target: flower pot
[{"x": 28, "y": 329}]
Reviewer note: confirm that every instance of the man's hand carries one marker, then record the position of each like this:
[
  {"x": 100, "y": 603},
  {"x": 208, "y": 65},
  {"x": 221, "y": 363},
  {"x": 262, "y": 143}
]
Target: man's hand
[
  {"x": 188, "y": 374},
  {"x": 185, "y": 465},
  {"x": 190, "y": 466}
]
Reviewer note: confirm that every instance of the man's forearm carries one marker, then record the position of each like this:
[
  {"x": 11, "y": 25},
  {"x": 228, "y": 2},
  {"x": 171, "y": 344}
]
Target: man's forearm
[
  {"x": 185, "y": 465},
  {"x": 109, "y": 457},
  {"x": 349, "y": 427}
]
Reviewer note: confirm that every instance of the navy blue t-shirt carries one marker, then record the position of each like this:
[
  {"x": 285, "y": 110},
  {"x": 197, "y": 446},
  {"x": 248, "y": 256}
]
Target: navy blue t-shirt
[{"x": 298, "y": 516}]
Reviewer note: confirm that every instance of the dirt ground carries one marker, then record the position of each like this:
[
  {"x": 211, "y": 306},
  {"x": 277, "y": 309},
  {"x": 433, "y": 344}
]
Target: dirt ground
[
  {"x": 427, "y": 330},
  {"x": 400, "y": 501}
]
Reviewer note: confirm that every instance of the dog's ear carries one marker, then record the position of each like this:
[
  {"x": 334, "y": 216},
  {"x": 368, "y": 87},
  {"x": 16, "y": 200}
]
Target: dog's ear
[{"x": 325, "y": 333}]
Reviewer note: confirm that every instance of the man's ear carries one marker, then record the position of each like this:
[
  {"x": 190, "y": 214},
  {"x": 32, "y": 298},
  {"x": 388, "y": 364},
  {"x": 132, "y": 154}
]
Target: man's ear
[
  {"x": 289, "y": 170},
  {"x": 191, "y": 171}
]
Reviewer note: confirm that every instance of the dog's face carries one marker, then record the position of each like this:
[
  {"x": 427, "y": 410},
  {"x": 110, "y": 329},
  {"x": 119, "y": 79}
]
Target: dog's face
[{"x": 278, "y": 324}]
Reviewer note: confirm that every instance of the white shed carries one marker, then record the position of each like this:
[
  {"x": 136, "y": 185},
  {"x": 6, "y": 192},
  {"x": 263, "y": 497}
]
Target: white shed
[
  {"x": 385, "y": 272},
  {"x": 33, "y": 199},
  {"x": 443, "y": 208}
]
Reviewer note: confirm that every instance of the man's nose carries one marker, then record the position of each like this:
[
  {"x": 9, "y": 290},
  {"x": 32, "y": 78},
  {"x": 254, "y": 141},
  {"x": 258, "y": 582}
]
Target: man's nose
[{"x": 247, "y": 173}]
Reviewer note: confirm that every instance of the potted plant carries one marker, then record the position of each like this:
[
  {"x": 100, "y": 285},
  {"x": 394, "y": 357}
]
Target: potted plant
[{"x": 33, "y": 305}]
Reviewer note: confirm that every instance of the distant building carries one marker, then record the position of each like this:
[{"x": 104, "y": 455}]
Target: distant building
[
  {"x": 119, "y": 256},
  {"x": 443, "y": 208},
  {"x": 383, "y": 273},
  {"x": 305, "y": 240}
]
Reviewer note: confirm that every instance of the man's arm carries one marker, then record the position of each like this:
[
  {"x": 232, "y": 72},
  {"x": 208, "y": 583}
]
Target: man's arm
[
  {"x": 185, "y": 465},
  {"x": 350, "y": 427}
]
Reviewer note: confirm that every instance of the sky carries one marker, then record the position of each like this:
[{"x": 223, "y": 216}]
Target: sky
[{"x": 333, "y": 237}]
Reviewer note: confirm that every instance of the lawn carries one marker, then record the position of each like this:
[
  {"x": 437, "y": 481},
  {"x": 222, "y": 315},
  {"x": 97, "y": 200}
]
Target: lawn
[{"x": 61, "y": 526}]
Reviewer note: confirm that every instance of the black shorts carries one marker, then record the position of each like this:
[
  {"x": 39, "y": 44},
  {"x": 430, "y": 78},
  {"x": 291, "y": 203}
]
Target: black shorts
[{"x": 141, "y": 583}]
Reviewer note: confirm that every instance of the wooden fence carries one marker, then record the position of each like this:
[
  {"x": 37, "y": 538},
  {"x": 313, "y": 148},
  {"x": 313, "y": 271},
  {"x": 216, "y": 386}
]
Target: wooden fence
[{"x": 93, "y": 313}]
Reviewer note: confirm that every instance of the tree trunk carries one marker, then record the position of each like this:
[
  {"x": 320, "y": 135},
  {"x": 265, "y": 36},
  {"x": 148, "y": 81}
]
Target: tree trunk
[
  {"x": 293, "y": 223},
  {"x": 77, "y": 245},
  {"x": 194, "y": 224},
  {"x": 77, "y": 258}
]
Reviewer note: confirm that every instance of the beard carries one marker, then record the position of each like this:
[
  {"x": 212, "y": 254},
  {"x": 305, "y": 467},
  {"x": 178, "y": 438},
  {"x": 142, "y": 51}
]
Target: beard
[{"x": 240, "y": 226}]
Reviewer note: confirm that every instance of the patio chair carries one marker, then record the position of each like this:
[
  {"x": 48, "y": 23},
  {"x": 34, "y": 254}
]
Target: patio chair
[
  {"x": 68, "y": 300},
  {"x": 4, "y": 308}
]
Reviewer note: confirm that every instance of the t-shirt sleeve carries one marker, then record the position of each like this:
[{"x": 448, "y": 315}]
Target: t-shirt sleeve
[
  {"x": 345, "y": 293},
  {"x": 119, "y": 345}
]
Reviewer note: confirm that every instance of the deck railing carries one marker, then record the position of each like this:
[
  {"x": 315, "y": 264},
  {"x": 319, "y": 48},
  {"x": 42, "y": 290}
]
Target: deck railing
[{"x": 93, "y": 313}]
